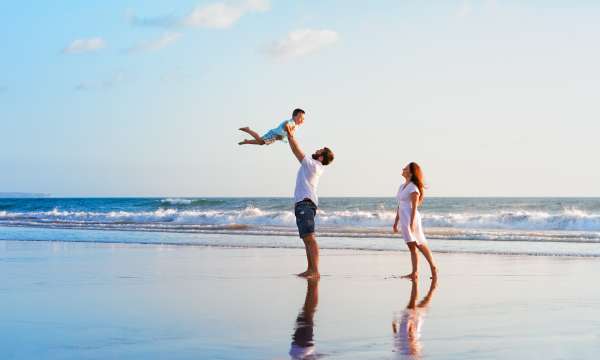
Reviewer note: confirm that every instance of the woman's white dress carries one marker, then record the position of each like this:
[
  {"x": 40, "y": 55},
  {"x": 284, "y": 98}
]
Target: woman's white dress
[{"x": 405, "y": 212}]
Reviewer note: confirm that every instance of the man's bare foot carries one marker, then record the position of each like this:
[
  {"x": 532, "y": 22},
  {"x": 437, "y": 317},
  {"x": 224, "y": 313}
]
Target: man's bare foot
[
  {"x": 434, "y": 273},
  {"x": 245, "y": 128},
  {"x": 243, "y": 142},
  {"x": 310, "y": 274},
  {"x": 412, "y": 276}
]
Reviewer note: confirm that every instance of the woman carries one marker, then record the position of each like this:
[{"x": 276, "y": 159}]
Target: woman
[{"x": 410, "y": 196}]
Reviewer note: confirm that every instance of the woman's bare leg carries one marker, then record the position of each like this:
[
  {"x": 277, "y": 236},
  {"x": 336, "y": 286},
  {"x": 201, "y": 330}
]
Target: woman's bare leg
[
  {"x": 257, "y": 138},
  {"x": 414, "y": 259},
  {"x": 429, "y": 257}
]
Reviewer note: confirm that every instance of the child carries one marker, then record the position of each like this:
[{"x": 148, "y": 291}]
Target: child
[{"x": 273, "y": 135}]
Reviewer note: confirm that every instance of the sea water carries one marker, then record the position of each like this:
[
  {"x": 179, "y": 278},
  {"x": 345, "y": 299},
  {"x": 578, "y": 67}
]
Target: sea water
[{"x": 531, "y": 226}]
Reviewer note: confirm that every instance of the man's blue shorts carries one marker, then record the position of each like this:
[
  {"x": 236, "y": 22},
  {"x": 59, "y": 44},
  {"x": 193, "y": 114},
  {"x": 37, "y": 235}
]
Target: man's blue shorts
[{"x": 305, "y": 211}]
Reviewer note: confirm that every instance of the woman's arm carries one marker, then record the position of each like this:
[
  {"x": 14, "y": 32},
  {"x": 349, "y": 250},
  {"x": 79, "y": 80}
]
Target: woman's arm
[
  {"x": 414, "y": 199},
  {"x": 395, "y": 227}
]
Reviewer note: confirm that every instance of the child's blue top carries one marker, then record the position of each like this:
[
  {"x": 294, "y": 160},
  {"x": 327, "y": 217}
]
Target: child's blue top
[{"x": 279, "y": 131}]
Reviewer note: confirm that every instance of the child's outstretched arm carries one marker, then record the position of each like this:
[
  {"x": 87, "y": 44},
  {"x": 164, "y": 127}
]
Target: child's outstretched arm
[{"x": 294, "y": 144}]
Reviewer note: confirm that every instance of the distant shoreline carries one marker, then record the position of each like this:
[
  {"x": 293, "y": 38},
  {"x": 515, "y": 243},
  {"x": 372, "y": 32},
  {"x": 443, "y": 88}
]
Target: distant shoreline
[{"x": 12, "y": 195}]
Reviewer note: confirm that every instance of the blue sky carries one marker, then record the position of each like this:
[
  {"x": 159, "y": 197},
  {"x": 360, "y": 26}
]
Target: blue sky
[{"x": 144, "y": 98}]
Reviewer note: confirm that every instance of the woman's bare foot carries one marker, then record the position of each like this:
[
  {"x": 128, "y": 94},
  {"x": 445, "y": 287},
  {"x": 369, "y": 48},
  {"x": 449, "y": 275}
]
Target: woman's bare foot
[
  {"x": 243, "y": 142},
  {"x": 310, "y": 274},
  {"x": 244, "y": 129},
  {"x": 412, "y": 276}
]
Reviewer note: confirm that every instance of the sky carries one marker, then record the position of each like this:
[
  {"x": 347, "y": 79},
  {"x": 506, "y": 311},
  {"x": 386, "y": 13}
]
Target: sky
[{"x": 144, "y": 98}]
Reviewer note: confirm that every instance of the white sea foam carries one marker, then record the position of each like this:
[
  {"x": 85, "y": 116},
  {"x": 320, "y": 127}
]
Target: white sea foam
[
  {"x": 177, "y": 201},
  {"x": 347, "y": 220}
]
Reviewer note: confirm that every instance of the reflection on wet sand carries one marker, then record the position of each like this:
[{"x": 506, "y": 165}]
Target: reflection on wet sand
[
  {"x": 303, "y": 345},
  {"x": 407, "y": 325}
]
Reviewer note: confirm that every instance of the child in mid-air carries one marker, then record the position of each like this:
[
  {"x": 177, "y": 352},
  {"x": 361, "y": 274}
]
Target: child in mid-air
[{"x": 273, "y": 135}]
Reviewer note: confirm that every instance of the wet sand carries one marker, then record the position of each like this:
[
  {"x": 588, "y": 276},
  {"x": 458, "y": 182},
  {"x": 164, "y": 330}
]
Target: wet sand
[{"x": 97, "y": 301}]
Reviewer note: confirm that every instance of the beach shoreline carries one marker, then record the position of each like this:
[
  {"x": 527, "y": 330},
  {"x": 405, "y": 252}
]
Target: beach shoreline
[{"x": 244, "y": 240}]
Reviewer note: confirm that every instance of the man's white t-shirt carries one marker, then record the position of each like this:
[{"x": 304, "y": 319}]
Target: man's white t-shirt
[{"x": 308, "y": 179}]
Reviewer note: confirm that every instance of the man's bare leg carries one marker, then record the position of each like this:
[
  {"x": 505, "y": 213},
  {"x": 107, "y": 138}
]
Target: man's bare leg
[
  {"x": 427, "y": 253},
  {"x": 414, "y": 259},
  {"x": 257, "y": 138},
  {"x": 308, "y": 259},
  {"x": 312, "y": 257}
]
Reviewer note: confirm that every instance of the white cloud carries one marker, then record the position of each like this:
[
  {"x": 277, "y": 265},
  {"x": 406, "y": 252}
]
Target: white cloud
[
  {"x": 216, "y": 16},
  {"x": 219, "y": 15},
  {"x": 222, "y": 15},
  {"x": 165, "y": 40},
  {"x": 79, "y": 46},
  {"x": 302, "y": 42}
]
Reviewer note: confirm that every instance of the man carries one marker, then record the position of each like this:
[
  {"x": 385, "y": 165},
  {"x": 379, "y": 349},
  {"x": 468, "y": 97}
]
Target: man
[{"x": 306, "y": 200}]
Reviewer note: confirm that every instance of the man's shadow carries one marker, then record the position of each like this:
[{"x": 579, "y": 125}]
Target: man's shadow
[
  {"x": 407, "y": 325},
  {"x": 303, "y": 344}
]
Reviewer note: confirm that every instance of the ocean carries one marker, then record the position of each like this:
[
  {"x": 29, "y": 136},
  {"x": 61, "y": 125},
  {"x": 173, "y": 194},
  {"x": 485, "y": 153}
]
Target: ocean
[{"x": 522, "y": 226}]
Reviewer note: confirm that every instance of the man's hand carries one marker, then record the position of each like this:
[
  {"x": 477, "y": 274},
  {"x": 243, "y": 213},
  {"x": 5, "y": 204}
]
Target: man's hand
[
  {"x": 395, "y": 227},
  {"x": 298, "y": 153},
  {"x": 290, "y": 130}
]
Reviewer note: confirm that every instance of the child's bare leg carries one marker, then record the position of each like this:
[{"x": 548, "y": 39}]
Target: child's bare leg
[
  {"x": 252, "y": 142},
  {"x": 252, "y": 133},
  {"x": 257, "y": 139}
]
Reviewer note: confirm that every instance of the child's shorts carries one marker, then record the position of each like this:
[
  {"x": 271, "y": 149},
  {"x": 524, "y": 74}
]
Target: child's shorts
[{"x": 270, "y": 137}]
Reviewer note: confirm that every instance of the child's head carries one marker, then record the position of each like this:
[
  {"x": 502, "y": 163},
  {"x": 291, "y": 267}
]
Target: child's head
[{"x": 298, "y": 116}]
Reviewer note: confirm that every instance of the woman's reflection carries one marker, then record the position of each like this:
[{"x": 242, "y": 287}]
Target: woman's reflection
[
  {"x": 407, "y": 325},
  {"x": 303, "y": 345}
]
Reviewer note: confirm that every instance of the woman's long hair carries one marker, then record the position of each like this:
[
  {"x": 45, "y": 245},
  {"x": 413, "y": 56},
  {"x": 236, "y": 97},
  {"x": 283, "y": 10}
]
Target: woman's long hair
[{"x": 417, "y": 179}]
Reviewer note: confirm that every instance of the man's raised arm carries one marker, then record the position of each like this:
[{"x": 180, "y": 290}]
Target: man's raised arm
[{"x": 298, "y": 153}]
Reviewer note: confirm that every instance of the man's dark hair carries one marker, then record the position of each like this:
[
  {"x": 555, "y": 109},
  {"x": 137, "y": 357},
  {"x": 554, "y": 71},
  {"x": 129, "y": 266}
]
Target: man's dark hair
[
  {"x": 297, "y": 111},
  {"x": 327, "y": 156}
]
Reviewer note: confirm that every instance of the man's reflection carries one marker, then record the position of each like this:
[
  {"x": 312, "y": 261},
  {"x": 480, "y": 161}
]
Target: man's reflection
[
  {"x": 407, "y": 325},
  {"x": 303, "y": 345}
]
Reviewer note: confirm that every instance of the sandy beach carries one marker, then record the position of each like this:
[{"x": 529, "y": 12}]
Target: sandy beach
[{"x": 96, "y": 301}]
